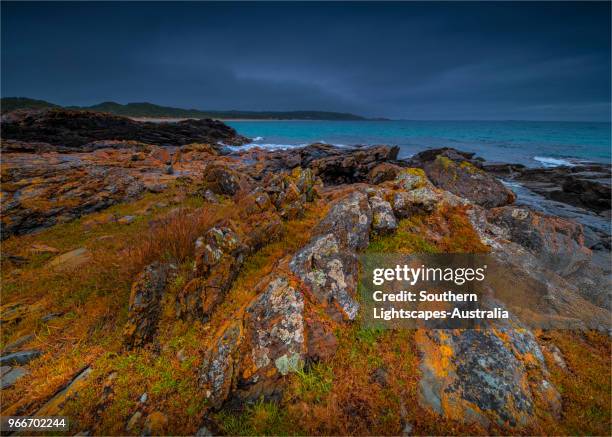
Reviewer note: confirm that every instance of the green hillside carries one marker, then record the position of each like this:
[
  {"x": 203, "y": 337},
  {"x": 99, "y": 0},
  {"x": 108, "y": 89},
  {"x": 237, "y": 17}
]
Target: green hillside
[
  {"x": 156, "y": 111},
  {"x": 9, "y": 104}
]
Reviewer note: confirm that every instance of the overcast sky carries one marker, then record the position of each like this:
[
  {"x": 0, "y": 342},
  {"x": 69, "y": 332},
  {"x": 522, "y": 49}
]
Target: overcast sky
[{"x": 528, "y": 61}]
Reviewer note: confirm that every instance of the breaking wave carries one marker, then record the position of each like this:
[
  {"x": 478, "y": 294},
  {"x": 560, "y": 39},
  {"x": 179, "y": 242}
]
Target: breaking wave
[{"x": 552, "y": 162}]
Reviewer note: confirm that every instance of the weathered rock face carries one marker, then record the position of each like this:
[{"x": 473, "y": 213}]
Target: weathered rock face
[
  {"x": 219, "y": 256},
  {"x": 274, "y": 324},
  {"x": 330, "y": 271},
  {"x": 558, "y": 242},
  {"x": 221, "y": 179},
  {"x": 383, "y": 219},
  {"x": 328, "y": 264},
  {"x": 407, "y": 203},
  {"x": 552, "y": 292},
  {"x": 145, "y": 305},
  {"x": 47, "y": 190},
  {"x": 332, "y": 164},
  {"x": 220, "y": 368},
  {"x": 481, "y": 375},
  {"x": 68, "y": 128},
  {"x": 273, "y": 337},
  {"x": 288, "y": 192},
  {"x": 456, "y": 172},
  {"x": 349, "y": 221},
  {"x": 383, "y": 172},
  {"x": 353, "y": 166},
  {"x": 584, "y": 185},
  {"x": 258, "y": 348},
  {"x": 285, "y": 193}
]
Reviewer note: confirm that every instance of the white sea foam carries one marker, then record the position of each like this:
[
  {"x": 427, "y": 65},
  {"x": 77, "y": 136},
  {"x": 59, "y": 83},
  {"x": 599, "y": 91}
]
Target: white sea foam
[
  {"x": 272, "y": 146},
  {"x": 265, "y": 146},
  {"x": 552, "y": 162},
  {"x": 258, "y": 139}
]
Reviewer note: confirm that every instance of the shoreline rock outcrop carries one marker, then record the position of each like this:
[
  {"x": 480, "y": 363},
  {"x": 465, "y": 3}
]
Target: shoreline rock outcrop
[
  {"x": 75, "y": 129},
  {"x": 586, "y": 185},
  {"x": 247, "y": 341}
]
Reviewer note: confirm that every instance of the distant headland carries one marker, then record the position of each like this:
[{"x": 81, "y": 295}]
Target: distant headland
[{"x": 150, "y": 110}]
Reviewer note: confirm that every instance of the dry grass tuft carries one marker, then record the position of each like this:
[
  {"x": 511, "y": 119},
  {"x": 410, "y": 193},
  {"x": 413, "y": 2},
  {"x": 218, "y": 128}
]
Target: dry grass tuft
[{"x": 171, "y": 238}]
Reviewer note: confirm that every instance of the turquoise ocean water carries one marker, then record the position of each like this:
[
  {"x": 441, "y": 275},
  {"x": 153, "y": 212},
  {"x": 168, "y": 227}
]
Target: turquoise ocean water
[{"x": 530, "y": 143}]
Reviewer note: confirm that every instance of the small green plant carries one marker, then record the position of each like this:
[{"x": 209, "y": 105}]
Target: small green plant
[
  {"x": 261, "y": 418},
  {"x": 315, "y": 382},
  {"x": 369, "y": 336}
]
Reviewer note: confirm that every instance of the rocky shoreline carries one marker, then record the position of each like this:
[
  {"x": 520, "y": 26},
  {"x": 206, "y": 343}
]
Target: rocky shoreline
[{"x": 266, "y": 281}]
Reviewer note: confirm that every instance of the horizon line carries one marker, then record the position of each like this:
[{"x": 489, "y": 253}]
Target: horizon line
[{"x": 365, "y": 118}]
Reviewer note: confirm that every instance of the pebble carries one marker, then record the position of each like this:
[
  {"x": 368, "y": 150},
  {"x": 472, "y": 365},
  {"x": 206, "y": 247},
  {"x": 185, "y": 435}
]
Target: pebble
[{"x": 126, "y": 220}]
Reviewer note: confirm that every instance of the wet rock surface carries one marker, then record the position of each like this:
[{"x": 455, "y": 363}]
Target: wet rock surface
[{"x": 586, "y": 185}]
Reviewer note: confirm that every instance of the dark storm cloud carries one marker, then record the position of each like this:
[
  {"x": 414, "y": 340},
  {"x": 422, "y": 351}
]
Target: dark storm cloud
[{"x": 403, "y": 60}]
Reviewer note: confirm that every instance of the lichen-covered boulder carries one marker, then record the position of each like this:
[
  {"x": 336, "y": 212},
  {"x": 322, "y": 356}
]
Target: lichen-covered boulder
[
  {"x": 383, "y": 219},
  {"x": 219, "y": 256},
  {"x": 457, "y": 173},
  {"x": 328, "y": 264},
  {"x": 330, "y": 271},
  {"x": 410, "y": 178},
  {"x": 274, "y": 333},
  {"x": 383, "y": 172},
  {"x": 217, "y": 245},
  {"x": 221, "y": 179},
  {"x": 418, "y": 200},
  {"x": 221, "y": 365},
  {"x": 290, "y": 191},
  {"x": 482, "y": 375},
  {"x": 349, "y": 220},
  {"x": 557, "y": 241},
  {"x": 145, "y": 305},
  {"x": 253, "y": 353}
]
